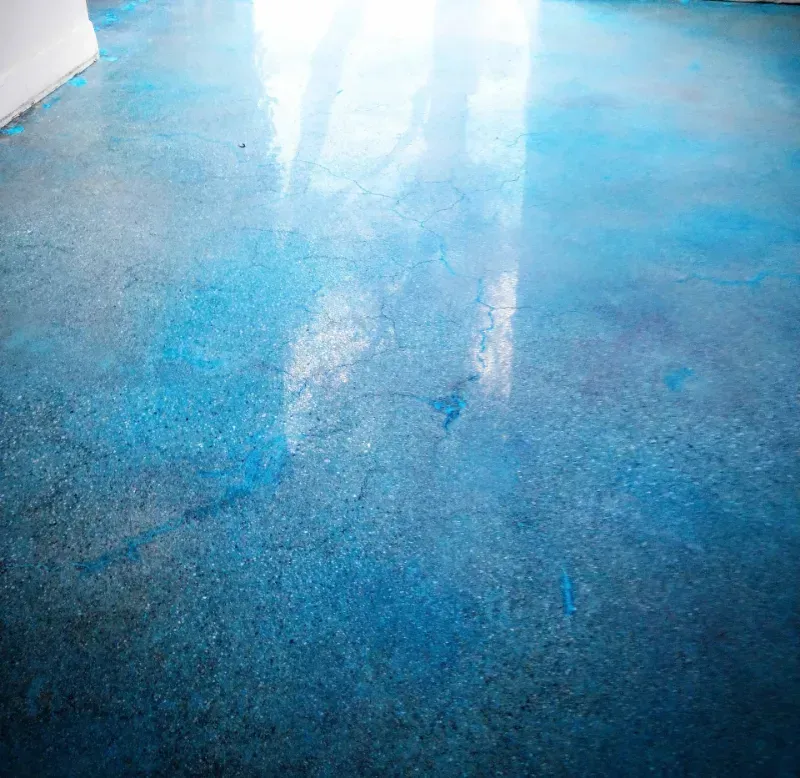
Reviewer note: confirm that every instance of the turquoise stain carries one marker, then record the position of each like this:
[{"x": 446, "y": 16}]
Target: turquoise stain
[
  {"x": 677, "y": 378},
  {"x": 33, "y": 695},
  {"x": 17, "y": 130},
  {"x": 567, "y": 595},
  {"x": 111, "y": 18},
  {"x": 451, "y": 406},
  {"x": 78, "y": 81},
  {"x": 107, "y": 20}
]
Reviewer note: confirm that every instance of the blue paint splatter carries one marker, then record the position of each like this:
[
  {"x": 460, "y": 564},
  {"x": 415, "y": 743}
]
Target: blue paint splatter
[
  {"x": 78, "y": 81},
  {"x": 676, "y": 378},
  {"x": 51, "y": 102},
  {"x": 12, "y": 130},
  {"x": 566, "y": 594},
  {"x": 109, "y": 19},
  {"x": 184, "y": 354},
  {"x": 451, "y": 406},
  {"x": 33, "y": 695},
  {"x": 143, "y": 86},
  {"x": 106, "y": 55}
]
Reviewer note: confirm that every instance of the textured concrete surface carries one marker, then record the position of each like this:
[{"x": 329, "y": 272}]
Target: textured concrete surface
[{"x": 405, "y": 388}]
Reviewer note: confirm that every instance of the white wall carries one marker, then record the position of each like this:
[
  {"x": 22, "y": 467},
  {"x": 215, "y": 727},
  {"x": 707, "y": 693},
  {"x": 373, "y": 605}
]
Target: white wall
[{"x": 42, "y": 44}]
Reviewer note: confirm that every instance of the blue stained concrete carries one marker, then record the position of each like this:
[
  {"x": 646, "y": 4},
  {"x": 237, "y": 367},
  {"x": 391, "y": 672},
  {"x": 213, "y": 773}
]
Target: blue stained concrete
[
  {"x": 675, "y": 379},
  {"x": 404, "y": 388}
]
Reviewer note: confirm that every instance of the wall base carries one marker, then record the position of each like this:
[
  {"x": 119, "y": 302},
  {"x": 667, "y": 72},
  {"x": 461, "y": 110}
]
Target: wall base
[{"x": 36, "y": 76}]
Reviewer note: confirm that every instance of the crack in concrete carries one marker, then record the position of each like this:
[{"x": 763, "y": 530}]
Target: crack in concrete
[
  {"x": 753, "y": 282},
  {"x": 253, "y": 475},
  {"x": 484, "y": 332},
  {"x": 345, "y": 178}
]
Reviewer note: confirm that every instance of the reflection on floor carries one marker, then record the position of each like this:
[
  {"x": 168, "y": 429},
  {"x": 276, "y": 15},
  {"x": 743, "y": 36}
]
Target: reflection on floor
[{"x": 405, "y": 388}]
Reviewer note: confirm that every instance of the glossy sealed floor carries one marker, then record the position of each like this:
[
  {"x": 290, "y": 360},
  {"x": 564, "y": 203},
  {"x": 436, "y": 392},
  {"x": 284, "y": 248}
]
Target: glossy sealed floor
[{"x": 398, "y": 388}]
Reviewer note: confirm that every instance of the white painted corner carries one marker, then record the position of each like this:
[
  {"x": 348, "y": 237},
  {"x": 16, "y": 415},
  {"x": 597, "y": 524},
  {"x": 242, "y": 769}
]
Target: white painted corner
[{"x": 38, "y": 56}]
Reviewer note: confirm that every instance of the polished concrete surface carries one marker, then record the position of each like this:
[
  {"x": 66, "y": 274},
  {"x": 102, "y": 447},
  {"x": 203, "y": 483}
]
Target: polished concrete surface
[{"x": 405, "y": 388}]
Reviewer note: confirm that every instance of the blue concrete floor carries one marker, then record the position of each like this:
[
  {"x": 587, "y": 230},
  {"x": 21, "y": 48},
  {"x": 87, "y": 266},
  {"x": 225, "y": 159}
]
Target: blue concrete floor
[{"x": 405, "y": 388}]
